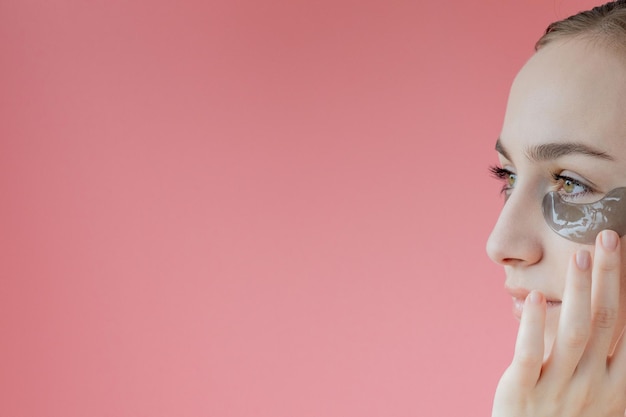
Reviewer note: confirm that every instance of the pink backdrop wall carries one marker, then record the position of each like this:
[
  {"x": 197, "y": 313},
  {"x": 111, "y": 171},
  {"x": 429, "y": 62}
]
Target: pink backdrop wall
[{"x": 247, "y": 208}]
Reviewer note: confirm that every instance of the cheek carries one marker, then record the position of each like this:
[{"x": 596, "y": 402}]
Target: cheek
[{"x": 563, "y": 250}]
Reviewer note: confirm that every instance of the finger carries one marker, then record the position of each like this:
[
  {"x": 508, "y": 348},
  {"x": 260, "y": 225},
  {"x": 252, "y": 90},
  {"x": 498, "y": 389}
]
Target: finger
[
  {"x": 617, "y": 362},
  {"x": 575, "y": 319},
  {"x": 604, "y": 301},
  {"x": 528, "y": 357}
]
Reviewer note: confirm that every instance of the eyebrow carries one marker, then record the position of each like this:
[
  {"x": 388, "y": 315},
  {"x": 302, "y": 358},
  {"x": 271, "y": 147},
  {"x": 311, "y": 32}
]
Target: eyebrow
[{"x": 549, "y": 151}]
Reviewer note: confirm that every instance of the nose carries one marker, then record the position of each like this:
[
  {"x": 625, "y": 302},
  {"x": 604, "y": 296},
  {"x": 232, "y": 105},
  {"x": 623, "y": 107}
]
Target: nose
[{"x": 516, "y": 238}]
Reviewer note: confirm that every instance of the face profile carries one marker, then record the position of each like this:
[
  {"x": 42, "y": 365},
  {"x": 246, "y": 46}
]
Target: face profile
[
  {"x": 563, "y": 132},
  {"x": 560, "y": 235}
]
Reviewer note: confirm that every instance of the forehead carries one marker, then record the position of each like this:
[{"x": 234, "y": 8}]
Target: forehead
[{"x": 569, "y": 91}]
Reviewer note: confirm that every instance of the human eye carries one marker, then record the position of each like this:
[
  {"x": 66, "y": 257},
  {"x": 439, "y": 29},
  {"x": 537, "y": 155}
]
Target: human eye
[
  {"x": 571, "y": 188},
  {"x": 507, "y": 177}
]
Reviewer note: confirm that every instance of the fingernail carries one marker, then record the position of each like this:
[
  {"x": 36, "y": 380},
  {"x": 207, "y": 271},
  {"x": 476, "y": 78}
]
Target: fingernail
[
  {"x": 609, "y": 240},
  {"x": 535, "y": 297},
  {"x": 583, "y": 259}
]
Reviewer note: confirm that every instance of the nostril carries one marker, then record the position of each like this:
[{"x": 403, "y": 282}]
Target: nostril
[{"x": 511, "y": 261}]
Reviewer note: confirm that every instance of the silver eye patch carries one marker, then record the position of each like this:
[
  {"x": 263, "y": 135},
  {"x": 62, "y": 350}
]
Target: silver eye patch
[{"x": 582, "y": 222}]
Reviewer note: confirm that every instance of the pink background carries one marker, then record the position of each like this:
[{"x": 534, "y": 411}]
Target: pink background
[{"x": 254, "y": 208}]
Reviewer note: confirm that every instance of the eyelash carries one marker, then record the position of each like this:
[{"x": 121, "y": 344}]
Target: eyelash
[
  {"x": 503, "y": 174},
  {"x": 561, "y": 179}
]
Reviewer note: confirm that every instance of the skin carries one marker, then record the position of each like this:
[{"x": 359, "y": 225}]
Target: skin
[{"x": 569, "y": 358}]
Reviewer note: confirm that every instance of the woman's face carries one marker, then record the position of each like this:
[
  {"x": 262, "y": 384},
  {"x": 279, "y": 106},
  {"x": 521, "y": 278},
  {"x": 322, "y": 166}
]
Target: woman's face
[{"x": 565, "y": 130}]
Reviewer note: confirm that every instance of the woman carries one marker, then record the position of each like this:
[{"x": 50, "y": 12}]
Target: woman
[{"x": 563, "y": 147}]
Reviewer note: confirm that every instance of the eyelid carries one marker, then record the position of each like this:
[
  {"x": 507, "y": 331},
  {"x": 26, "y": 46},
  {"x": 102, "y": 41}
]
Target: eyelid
[
  {"x": 500, "y": 172},
  {"x": 503, "y": 175},
  {"x": 576, "y": 178},
  {"x": 584, "y": 191}
]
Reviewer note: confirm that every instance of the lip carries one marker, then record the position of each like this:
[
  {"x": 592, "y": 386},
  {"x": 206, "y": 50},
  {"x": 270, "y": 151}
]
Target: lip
[{"x": 519, "y": 297}]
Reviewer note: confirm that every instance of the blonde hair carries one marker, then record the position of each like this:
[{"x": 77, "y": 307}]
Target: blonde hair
[{"x": 605, "y": 24}]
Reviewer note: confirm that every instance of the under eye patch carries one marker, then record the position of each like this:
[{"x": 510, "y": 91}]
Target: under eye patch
[{"x": 582, "y": 222}]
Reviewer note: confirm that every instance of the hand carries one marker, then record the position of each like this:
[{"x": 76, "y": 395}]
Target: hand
[{"x": 581, "y": 377}]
